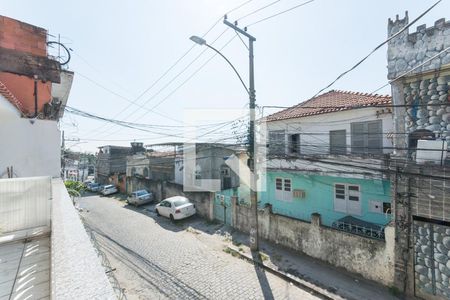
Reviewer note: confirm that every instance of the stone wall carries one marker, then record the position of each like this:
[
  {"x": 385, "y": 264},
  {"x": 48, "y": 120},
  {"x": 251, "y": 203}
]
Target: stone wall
[
  {"x": 427, "y": 106},
  {"x": 408, "y": 50},
  {"x": 432, "y": 259},
  {"x": 423, "y": 196},
  {"x": 373, "y": 259},
  {"x": 425, "y": 88}
]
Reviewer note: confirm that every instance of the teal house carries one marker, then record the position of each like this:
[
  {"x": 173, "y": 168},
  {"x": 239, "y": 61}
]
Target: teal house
[
  {"x": 327, "y": 156},
  {"x": 298, "y": 195}
]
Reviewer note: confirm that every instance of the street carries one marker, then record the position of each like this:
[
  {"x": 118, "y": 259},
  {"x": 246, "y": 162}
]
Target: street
[{"x": 156, "y": 259}]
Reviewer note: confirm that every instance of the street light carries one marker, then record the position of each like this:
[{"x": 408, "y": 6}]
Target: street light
[
  {"x": 202, "y": 42},
  {"x": 251, "y": 137},
  {"x": 198, "y": 40}
]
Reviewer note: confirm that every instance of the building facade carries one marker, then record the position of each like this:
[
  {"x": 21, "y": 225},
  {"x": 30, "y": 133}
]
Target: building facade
[
  {"x": 419, "y": 70},
  {"x": 33, "y": 88},
  {"x": 328, "y": 156}
]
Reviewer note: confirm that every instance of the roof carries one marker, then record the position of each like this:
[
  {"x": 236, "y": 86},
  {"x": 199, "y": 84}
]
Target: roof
[
  {"x": 5, "y": 92},
  {"x": 332, "y": 101}
]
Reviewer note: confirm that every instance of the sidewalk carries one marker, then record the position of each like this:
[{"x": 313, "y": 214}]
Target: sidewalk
[{"x": 306, "y": 269}]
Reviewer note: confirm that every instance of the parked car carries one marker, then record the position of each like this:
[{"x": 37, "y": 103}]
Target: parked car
[
  {"x": 175, "y": 208},
  {"x": 94, "y": 187},
  {"x": 108, "y": 190},
  {"x": 140, "y": 197},
  {"x": 87, "y": 183}
]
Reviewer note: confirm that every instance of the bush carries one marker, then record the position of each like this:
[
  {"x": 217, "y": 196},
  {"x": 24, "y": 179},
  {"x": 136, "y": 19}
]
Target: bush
[{"x": 74, "y": 188}]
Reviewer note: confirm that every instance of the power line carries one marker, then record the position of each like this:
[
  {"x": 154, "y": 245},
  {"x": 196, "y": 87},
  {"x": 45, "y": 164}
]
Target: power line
[
  {"x": 178, "y": 60},
  {"x": 412, "y": 70},
  {"x": 166, "y": 85},
  {"x": 280, "y": 13},
  {"x": 377, "y": 47},
  {"x": 185, "y": 81},
  {"x": 258, "y": 10}
]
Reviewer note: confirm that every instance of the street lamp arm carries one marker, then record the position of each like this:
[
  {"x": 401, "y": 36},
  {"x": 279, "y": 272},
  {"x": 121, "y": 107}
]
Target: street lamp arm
[{"x": 231, "y": 65}]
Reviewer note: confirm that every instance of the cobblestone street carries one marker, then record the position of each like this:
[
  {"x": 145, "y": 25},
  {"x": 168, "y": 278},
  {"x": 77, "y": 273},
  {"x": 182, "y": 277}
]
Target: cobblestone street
[{"x": 155, "y": 259}]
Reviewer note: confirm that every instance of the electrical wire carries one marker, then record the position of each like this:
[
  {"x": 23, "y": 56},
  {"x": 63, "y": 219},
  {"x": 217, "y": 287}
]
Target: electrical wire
[
  {"x": 177, "y": 61},
  {"x": 280, "y": 13},
  {"x": 377, "y": 47}
]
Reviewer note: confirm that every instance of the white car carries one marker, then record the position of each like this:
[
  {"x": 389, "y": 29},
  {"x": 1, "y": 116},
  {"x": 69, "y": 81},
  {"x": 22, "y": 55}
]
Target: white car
[
  {"x": 175, "y": 208},
  {"x": 108, "y": 190}
]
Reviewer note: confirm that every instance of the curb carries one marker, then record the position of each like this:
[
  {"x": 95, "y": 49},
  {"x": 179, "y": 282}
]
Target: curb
[{"x": 303, "y": 284}]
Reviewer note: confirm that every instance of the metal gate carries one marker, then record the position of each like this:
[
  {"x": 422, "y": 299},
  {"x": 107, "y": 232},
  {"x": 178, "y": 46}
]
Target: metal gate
[
  {"x": 222, "y": 209},
  {"x": 431, "y": 260}
]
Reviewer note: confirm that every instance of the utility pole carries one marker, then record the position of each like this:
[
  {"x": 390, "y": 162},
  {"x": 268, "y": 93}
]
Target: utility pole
[{"x": 254, "y": 245}]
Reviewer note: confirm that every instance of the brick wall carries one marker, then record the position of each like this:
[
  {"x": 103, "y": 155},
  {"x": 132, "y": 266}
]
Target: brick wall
[{"x": 22, "y": 37}]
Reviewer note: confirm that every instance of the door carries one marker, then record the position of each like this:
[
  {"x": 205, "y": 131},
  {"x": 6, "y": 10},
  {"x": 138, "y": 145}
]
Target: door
[
  {"x": 353, "y": 200},
  {"x": 164, "y": 208},
  {"x": 347, "y": 198},
  {"x": 222, "y": 209},
  {"x": 283, "y": 189},
  {"x": 340, "y": 202}
]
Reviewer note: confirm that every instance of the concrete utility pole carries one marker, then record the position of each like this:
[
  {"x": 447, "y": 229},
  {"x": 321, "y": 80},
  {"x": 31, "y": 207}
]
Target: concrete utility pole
[
  {"x": 254, "y": 245},
  {"x": 251, "y": 134}
]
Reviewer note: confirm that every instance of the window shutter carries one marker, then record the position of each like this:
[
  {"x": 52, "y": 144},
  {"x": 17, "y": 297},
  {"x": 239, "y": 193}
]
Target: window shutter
[
  {"x": 359, "y": 133},
  {"x": 375, "y": 137},
  {"x": 338, "y": 142},
  {"x": 277, "y": 142}
]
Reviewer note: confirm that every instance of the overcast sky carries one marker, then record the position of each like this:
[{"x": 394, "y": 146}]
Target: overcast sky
[{"x": 125, "y": 46}]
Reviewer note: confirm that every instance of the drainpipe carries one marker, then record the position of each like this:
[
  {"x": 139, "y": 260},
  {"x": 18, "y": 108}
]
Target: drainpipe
[{"x": 35, "y": 97}]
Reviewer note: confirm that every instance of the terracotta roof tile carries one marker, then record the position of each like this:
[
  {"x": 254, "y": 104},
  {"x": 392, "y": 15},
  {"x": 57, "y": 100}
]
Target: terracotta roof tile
[
  {"x": 5, "y": 92},
  {"x": 329, "y": 102}
]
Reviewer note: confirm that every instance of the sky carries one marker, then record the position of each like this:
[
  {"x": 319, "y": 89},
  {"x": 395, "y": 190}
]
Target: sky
[{"x": 120, "y": 48}]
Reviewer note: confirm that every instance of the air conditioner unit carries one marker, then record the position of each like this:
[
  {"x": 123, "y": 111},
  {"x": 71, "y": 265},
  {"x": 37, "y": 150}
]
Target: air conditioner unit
[
  {"x": 431, "y": 151},
  {"x": 299, "y": 193}
]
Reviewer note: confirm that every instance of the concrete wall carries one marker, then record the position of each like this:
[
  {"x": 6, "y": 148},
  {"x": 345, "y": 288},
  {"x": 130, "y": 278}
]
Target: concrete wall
[
  {"x": 31, "y": 147},
  {"x": 203, "y": 200},
  {"x": 76, "y": 272},
  {"x": 373, "y": 259},
  {"x": 162, "y": 189}
]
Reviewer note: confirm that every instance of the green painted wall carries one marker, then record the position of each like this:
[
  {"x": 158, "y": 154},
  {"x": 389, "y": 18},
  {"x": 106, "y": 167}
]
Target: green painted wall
[{"x": 320, "y": 197}]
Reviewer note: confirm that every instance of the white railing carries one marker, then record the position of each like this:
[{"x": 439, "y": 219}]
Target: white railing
[{"x": 25, "y": 203}]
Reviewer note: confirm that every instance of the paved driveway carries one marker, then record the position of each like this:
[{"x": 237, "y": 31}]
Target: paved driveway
[{"x": 156, "y": 259}]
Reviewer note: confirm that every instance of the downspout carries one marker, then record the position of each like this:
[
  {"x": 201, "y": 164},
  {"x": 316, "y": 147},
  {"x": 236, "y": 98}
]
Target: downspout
[{"x": 35, "y": 97}]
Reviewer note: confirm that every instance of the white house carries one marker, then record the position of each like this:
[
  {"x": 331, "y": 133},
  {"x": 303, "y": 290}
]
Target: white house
[{"x": 335, "y": 123}]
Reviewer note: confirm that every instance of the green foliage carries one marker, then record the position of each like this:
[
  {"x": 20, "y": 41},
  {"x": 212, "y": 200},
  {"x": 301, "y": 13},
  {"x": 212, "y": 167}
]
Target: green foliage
[{"x": 74, "y": 188}]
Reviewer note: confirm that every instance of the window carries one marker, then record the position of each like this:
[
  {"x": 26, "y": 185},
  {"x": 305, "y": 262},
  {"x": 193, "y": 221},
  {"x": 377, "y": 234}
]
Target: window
[
  {"x": 279, "y": 184},
  {"x": 367, "y": 137},
  {"x": 283, "y": 189},
  {"x": 338, "y": 142},
  {"x": 347, "y": 198},
  {"x": 133, "y": 171},
  {"x": 294, "y": 144},
  {"x": 145, "y": 172},
  {"x": 277, "y": 142}
]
